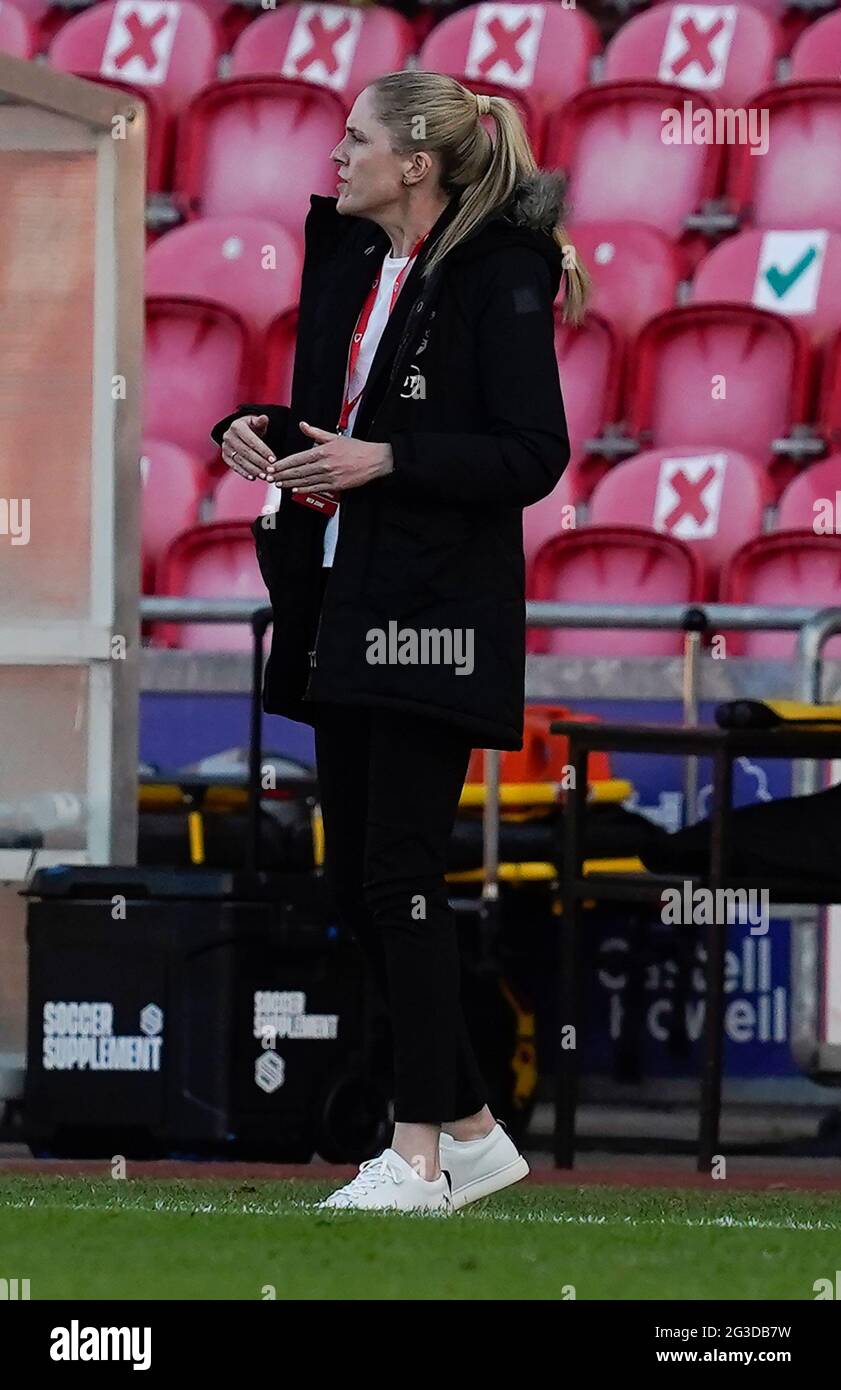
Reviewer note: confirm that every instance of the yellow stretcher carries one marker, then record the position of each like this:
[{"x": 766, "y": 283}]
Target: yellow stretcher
[
  {"x": 518, "y": 801},
  {"x": 522, "y": 800}
]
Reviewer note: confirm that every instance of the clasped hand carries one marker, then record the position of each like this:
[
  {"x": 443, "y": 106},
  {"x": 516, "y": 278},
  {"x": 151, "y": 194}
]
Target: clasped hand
[{"x": 335, "y": 463}]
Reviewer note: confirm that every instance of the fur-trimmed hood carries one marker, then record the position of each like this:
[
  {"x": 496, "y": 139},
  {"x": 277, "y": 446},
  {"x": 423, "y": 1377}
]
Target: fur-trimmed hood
[
  {"x": 535, "y": 208},
  {"x": 539, "y": 201}
]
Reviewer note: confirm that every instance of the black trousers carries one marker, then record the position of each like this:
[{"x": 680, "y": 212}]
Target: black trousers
[{"x": 390, "y": 785}]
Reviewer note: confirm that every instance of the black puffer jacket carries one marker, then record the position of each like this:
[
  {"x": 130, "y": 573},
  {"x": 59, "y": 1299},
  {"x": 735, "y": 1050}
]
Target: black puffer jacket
[{"x": 464, "y": 386}]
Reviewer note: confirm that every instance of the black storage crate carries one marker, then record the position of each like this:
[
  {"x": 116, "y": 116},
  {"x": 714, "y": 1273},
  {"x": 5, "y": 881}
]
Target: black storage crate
[{"x": 194, "y": 1011}]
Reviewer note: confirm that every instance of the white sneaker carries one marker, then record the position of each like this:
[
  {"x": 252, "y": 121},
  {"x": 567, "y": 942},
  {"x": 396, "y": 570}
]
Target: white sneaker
[
  {"x": 478, "y": 1167},
  {"x": 389, "y": 1183}
]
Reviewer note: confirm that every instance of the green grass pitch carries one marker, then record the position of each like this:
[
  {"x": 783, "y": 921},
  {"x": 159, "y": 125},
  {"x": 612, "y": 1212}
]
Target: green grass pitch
[{"x": 81, "y": 1238}]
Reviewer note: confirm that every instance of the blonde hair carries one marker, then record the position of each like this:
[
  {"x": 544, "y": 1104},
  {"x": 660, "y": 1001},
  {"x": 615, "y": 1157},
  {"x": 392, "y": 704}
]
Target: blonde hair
[{"x": 431, "y": 111}]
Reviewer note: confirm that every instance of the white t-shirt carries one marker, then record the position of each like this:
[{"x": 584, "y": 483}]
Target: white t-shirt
[{"x": 391, "y": 268}]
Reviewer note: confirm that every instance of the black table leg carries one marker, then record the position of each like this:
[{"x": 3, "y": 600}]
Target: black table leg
[
  {"x": 259, "y": 623},
  {"x": 716, "y": 943},
  {"x": 566, "y": 1071}
]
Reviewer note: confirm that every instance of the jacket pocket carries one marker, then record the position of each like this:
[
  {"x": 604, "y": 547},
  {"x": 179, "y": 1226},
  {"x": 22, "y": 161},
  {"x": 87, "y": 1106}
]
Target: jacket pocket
[{"x": 418, "y": 555}]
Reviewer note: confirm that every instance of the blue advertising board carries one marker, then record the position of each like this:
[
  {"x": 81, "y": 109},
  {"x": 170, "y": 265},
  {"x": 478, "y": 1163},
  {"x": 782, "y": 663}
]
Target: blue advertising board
[{"x": 180, "y": 729}]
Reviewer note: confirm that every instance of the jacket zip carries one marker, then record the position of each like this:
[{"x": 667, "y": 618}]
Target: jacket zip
[
  {"x": 419, "y": 316},
  {"x": 313, "y": 655},
  {"x": 410, "y": 327}
]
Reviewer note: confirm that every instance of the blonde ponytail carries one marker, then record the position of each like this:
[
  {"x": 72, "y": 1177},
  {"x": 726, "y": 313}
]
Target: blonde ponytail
[{"x": 438, "y": 113}]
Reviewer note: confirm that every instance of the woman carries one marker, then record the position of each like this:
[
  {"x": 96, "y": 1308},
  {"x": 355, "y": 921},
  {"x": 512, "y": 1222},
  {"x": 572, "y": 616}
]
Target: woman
[{"x": 426, "y": 402}]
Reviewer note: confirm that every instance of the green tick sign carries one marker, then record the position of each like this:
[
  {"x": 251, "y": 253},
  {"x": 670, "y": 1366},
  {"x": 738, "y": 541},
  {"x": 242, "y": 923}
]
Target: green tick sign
[{"x": 788, "y": 271}]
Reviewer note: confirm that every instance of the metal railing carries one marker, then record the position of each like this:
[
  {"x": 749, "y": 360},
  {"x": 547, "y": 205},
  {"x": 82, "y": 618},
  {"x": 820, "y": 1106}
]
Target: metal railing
[{"x": 814, "y": 626}]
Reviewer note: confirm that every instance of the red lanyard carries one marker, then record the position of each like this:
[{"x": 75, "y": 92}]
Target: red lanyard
[{"x": 361, "y": 328}]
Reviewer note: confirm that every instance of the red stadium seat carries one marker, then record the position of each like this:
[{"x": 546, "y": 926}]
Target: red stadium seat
[
  {"x": 802, "y": 567},
  {"x": 590, "y": 367},
  {"x": 550, "y": 516},
  {"x": 274, "y": 362},
  {"x": 541, "y": 52},
  {"x": 248, "y": 264},
  {"x": 712, "y": 501},
  {"x": 818, "y": 484},
  {"x": 613, "y": 565},
  {"x": 169, "y": 46},
  {"x": 797, "y": 182},
  {"x": 610, "y": 140},
  {"x": 789, "y": 22},
  {"x": 277, "y": 359},
  {"x": 238, "y": 499},
  {"x": 198, "y": 365},
  {"x": 173, "y": 484},
  {"x": 719, "y": 376},
  {"x": 634, "y": 269},
  {"x": 18, "y": 34},
  {"x": 725, "y": 51},
  {"x": 44, "y": 18},
  {"x": 797, "y": 273},
  {"x": 163, "y": 51},
  {"x": 230, "y": 19},
  {"x": 260, "y": 145},
  {"x": 211, "y": 561},
  {"x": 817, "y": 54},
  {"x": 582, "y": 473},
  {"x": 829, "y": 424},
  {"x": 342, "y": 47}
]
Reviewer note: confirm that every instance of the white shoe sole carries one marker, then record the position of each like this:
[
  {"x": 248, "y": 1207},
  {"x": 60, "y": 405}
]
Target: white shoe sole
[{"x": 490, "y": 1183}]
